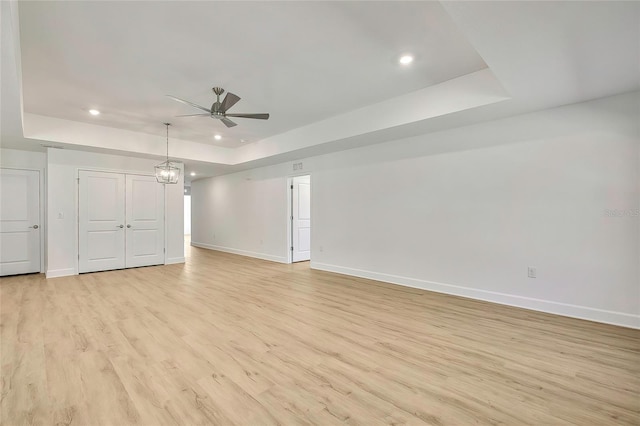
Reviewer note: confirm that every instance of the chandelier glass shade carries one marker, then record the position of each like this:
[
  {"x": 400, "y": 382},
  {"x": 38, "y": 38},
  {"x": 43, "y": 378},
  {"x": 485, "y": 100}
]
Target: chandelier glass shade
[{"x": 167, "y": 171}]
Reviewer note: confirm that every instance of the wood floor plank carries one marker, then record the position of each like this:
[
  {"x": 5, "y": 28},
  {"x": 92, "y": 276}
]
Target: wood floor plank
[
  {"x": 147, "y": 388},
  {"x": 106, "y": 399},
  {"x": 225, "y": 340},
  {"x": 189, "y": 403}
]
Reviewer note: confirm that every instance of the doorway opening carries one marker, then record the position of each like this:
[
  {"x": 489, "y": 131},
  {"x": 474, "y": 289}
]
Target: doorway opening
[{"x": 299, "y": 228}]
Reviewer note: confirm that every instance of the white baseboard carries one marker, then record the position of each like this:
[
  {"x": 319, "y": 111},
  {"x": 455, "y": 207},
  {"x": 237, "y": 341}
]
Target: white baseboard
[
  {"x": 172, "y": 260},
  {"x": 54, "y": 273},
  {"x": 257, "y": 255},
  {"x": 564, "y": 309}
]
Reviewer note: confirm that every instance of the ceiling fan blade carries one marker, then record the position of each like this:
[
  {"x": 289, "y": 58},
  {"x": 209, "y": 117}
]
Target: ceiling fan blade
[
  {"x": 228, "y": 122},
  {"x": 229, "y": 101},
  {"x": 258, "y": 116},
  {"x": 189, "y": 103},
  {"x": 194, "y": 115}
]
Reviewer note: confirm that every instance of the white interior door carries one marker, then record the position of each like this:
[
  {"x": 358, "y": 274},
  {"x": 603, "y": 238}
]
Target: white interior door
[
  {"x": 101, "y": 217},
  {"x": 301, "y": 218},
  {"x": 145, "y": 221},
  {"x": 19, "y": 221}
]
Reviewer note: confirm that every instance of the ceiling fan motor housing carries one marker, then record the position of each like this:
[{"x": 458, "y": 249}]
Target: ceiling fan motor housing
[{"x": 216, "y": 105}]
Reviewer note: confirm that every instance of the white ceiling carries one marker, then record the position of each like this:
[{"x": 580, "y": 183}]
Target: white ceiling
[
  {"x": 326, "y": 71},
  {"x": 300, "y": 61}
]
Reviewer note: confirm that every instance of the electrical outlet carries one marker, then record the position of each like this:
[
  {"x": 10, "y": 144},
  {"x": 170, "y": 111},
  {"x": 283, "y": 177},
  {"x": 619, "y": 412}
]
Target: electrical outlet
[
  {"x": 531, "y": 272},
  {"x": 321, "y": 249}
]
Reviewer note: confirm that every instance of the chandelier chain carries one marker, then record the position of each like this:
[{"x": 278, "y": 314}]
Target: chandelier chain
[{"x": 167, "y": 124}]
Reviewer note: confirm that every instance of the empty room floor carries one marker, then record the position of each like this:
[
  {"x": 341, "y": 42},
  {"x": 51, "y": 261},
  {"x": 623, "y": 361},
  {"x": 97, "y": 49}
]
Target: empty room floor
[{"x": 225, "y": 339}]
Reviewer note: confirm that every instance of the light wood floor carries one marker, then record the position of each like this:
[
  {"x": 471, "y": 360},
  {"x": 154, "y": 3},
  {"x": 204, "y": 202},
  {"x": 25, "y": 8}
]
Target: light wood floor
[{"x": 231, "y": 340}]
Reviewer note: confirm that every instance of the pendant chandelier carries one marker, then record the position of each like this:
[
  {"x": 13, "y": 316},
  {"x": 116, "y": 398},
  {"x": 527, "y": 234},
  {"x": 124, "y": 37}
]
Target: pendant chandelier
[{"x": 167, "y": 171}]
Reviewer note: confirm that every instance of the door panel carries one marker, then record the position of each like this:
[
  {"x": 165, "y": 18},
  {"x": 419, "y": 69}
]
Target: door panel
[
  {"x": 19, "y": 221},
  {"x": 101, "y": 221},
  {"x": 145, "y": 242},
  {"x": 301, "y": 212},
  {"x": 145, "y": 221},
  {"x": 103, "y": 245}
]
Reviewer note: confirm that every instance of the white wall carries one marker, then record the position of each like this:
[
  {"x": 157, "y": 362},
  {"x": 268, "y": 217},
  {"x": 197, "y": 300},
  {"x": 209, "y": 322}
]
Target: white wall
[
  {"x": 242, "y": 213},
  {"x": 464, "y": 211},
  {"x": 30, "y": 160},
  {"x": 18, "y": 159},
  {"x": 62, "y": 173}
]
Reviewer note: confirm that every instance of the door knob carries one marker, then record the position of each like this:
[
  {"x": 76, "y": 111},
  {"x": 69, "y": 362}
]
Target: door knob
[
  {"x": 120, "y": 226},
  {"x": 128, "y": 226},
  {"x": 34, "y": 227}
]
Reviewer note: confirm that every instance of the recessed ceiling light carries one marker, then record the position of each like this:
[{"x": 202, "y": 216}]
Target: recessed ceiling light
[
  {"x": 193, "y": 173},
  {"x": 243, "y": 140},
  {"x": 217, "y": 137},
  {"x": 406, "y": 59},
  {"x": 94, "y": 112}
]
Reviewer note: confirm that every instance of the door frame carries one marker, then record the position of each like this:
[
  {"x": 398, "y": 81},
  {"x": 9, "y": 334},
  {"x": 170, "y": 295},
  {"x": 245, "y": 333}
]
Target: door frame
[
  {"x": 77, "y": 207},
  {"x": 41, "y": 210},
  {"x": 289, "y": 217}
]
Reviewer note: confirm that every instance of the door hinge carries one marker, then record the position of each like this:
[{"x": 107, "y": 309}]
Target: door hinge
[
  {"x": 291, "y": 186},
  {"x": 291, "y": 248}
]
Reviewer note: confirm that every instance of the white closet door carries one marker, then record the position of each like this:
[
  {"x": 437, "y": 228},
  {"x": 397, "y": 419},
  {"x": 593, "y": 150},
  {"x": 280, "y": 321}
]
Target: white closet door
[
  {"x": 19, "y": 221},
  {"x": 101, "y": 221},
  {"x": 145, "y": 221}
]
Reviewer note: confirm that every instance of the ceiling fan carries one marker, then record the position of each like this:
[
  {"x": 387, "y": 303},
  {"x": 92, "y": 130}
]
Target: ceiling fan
[{"x": 219, "y": 109}]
